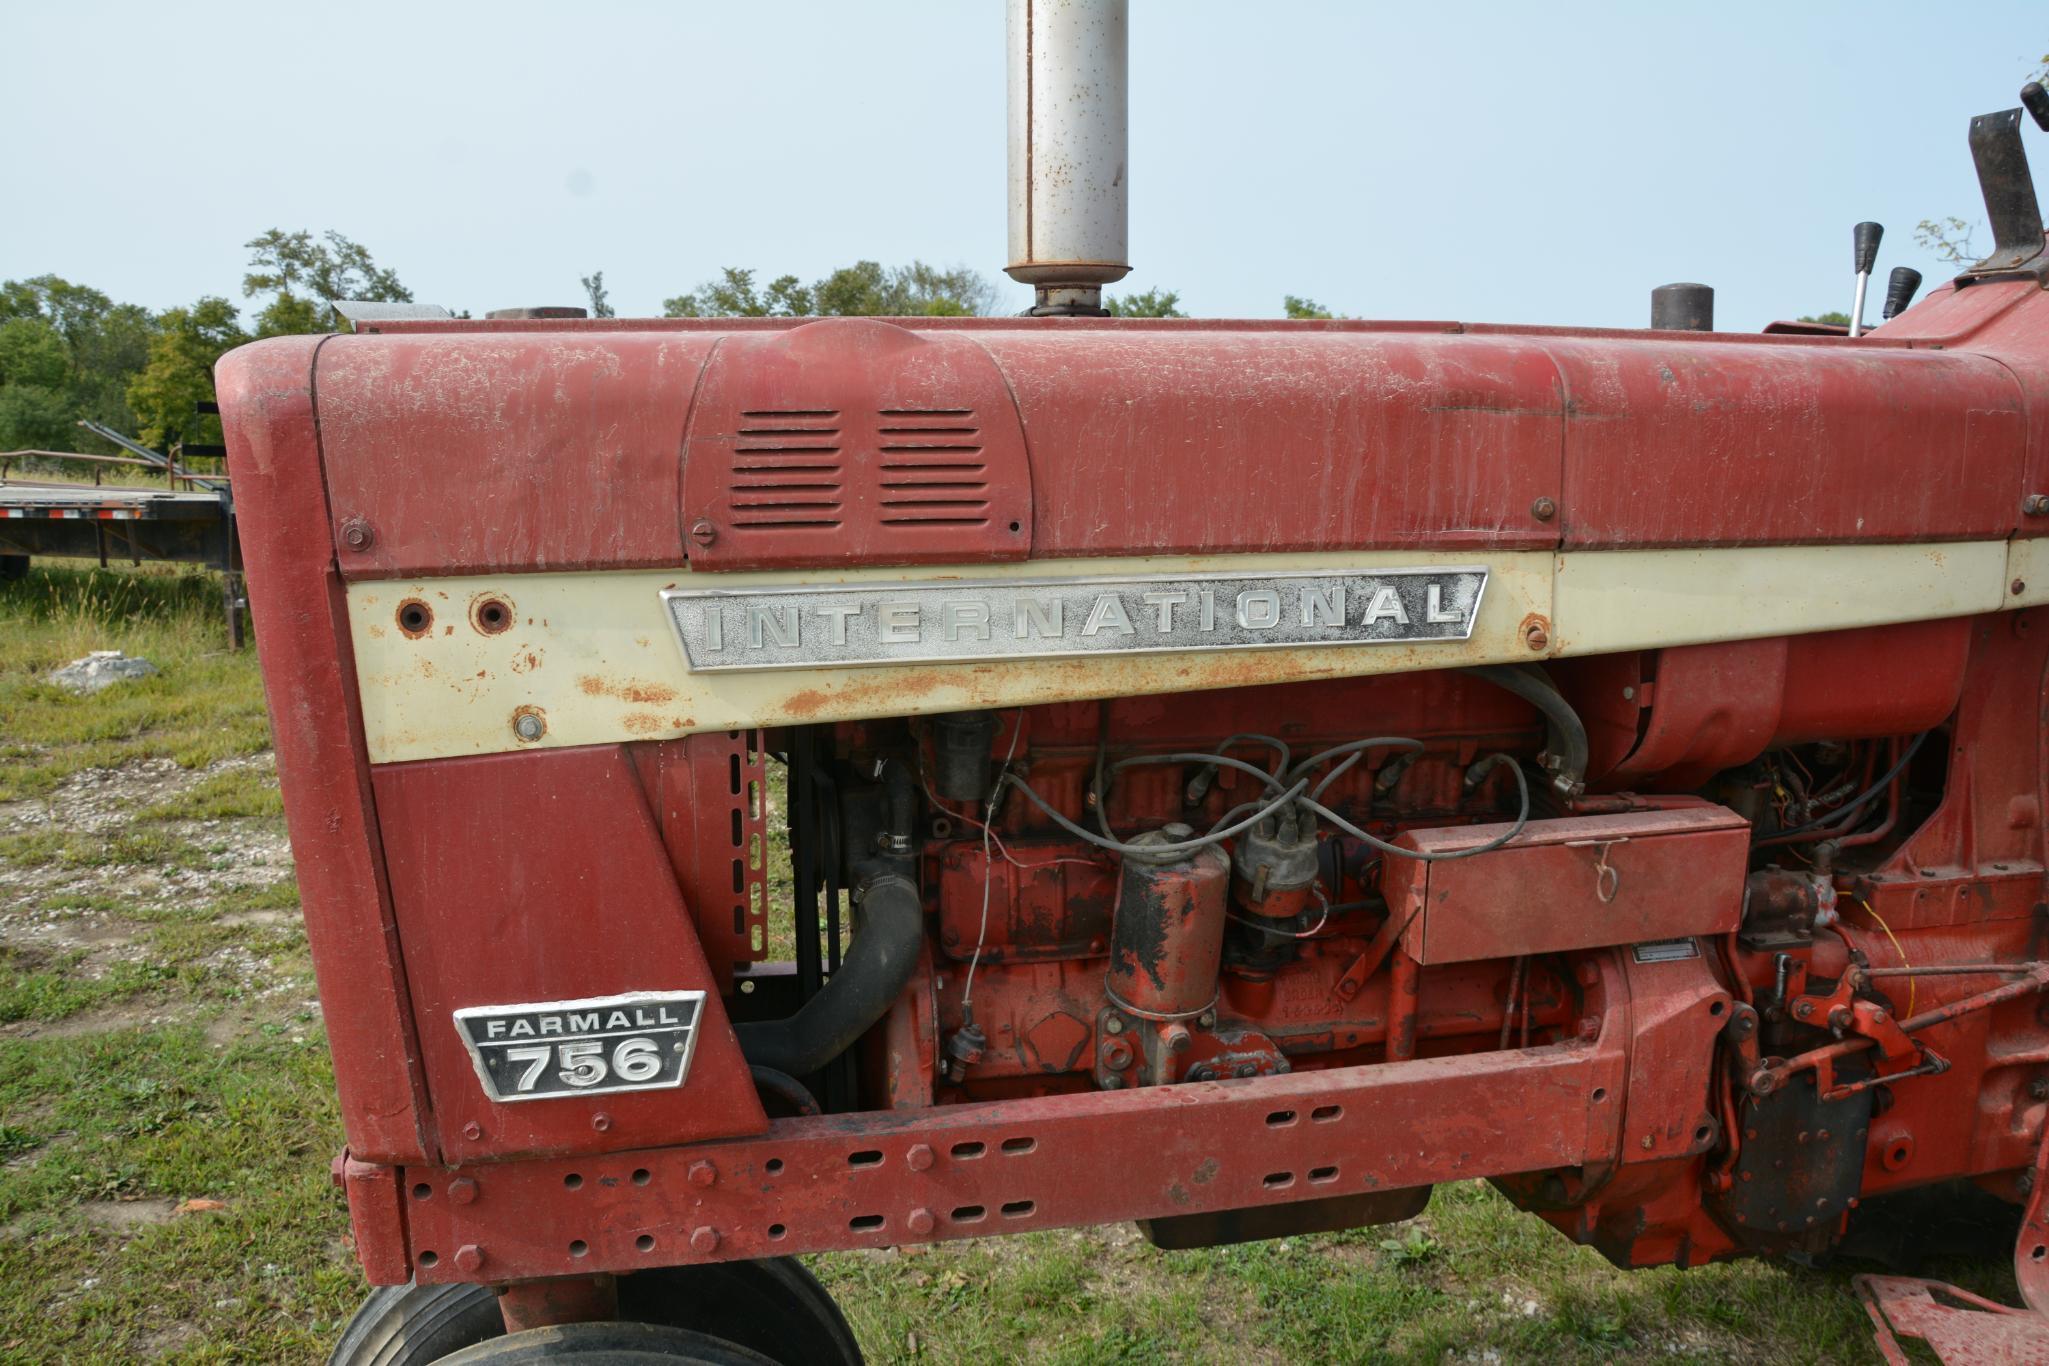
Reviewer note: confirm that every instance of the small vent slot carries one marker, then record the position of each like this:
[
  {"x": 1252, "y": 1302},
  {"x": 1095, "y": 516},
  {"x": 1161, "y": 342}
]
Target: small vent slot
[
  {"x": 775, "y": 414},
  {"x": 787, "y": 477}
]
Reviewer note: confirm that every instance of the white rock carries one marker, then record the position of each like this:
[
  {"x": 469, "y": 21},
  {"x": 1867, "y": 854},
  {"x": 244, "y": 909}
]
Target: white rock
[{"x": 100, "y": 669}]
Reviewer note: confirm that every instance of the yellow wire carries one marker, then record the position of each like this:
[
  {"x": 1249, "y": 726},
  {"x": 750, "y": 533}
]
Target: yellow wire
[{"x": 1912, "y": 982}]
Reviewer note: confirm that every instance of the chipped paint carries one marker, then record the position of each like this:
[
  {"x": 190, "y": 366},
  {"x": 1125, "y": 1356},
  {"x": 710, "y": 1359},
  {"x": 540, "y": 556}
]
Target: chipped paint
[{"x": 446, "y": 695}]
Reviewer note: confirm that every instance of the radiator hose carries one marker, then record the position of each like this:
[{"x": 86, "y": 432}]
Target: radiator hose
[
  {"x": 888, "y": 933},
  {"x": 1565, "y": 749}
]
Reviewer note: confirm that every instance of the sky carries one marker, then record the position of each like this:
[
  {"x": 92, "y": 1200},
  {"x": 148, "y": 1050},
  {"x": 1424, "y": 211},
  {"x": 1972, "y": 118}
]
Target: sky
[{"x": 1514, "y": 163}]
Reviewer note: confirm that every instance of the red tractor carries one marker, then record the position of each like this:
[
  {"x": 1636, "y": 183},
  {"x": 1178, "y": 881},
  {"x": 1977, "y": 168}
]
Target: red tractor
[{"x": 1236, "y": 775}]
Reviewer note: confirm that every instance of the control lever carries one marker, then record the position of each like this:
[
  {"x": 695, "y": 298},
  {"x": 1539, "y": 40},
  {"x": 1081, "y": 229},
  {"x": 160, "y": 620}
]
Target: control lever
[
  {"x": 2035, "y": 100},
  {"x": 1900, "y": 289},
  {"x": 1864, "y": 237}
]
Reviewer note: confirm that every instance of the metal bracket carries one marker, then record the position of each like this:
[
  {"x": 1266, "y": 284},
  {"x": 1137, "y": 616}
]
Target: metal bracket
[{"x": 2009, "y": 190}]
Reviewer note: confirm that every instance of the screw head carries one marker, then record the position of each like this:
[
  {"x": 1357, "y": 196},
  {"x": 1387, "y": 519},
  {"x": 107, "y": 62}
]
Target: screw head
[
  {"x": 703, "y": 1174},
  {"x": 529, "y": 726},
  {"x": 357, "y": 534},
  {"x": 1536, "y": 636},
  {"x": 469, "y": 1258},
  {"x": 2017, "y": 587},
  {"x": 919, "y": 1158},
  {"x": 1113, "y": 1025},
  {"x": 920, "y": 1221},
  {"x": 703, "y": 532},
  {"x": 1803, "y": 1010},
  {"x": 2036, "y": 505},
  {"x": 473, "y": 1131},
  {"x": 2039, "y": 1088},
  {"x": 704, "y": 1240},
  {"x": 601, "y": 1121},
  {"x": 1544, "y": 509}
]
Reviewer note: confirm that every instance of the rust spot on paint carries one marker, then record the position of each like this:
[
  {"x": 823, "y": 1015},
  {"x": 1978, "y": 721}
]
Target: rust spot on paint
[
  {"x": 627, "y": 690},
  {"x": 1206, "y": 1173},
  {"x": 642, "y": 723},
  {"x": 810, "y": 701}
]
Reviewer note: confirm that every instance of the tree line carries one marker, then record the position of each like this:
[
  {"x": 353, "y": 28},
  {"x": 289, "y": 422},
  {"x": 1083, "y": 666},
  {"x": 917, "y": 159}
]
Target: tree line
[{"x": 69, "y": 351}]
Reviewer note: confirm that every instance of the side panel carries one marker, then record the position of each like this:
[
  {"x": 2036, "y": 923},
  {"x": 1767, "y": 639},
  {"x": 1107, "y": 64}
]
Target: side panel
[
  {"x": 309, "y": 678},
  {"x": 557, "y": 452},
  {"x": 542, "y": 877},
  {"x": 1713, "y": 443}
]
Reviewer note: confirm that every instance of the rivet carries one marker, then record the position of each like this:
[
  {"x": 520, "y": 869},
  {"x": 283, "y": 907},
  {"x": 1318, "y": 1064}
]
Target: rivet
[
  {"x": 703, "y": 1174},
  {"x": 919, "y": 1221},
  {"x": 919, "y": 1157},
  {"x": 601, "y": 1121},
  {"x": 462, "y": 1190},
  {"x": 469, "y": 1257},
  {"x": 1543, "y": 509},
  {"x": 703, "y": 532},
  {"x": 704, "y": 1240},
  {"x": 357, "y": 534}
]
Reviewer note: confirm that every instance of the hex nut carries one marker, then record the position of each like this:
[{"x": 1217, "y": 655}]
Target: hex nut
[
  {"x": 1544, "y": 509},
  {"x": 469, "y": 1258},
  {"x": 703, "y": 1174},
  {"x": 920, "y": 1221},
  {"x": 462, "y": 1190},
  {"x": 704, "y": 1240},
  {"x": 919, "y": 1158}
]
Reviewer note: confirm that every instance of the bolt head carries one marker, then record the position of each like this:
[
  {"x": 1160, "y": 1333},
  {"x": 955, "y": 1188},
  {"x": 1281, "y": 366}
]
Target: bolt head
[
  {"x": 703, "y": 532},
  {"x": 919, "y": 1158},
  {"x": 1113, "y": 1025},
  {"x": 703, "y": 1174},
  {"x": 462, "y": 1190},
  {"x": 473, "y": 1131},
  {"x": 1544, "y": 509},
  {"x": 469, "y": 1258},
  {"x": 1803, "y": 1010},
  {"x": 527, "y": 726},
  {"x": 601, "y": 1121},
  {"x": 357, "y": 534},
  {"x": 920, "y": 1221},
  {"x": 704, "y": 1240},
  {"x": 2036, "y": 505}
]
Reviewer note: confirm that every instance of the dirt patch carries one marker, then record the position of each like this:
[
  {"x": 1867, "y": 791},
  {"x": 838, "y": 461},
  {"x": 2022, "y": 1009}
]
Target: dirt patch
[
  {"x": 132, "y": 1014},
  {"x": 126, "y": 1216}
]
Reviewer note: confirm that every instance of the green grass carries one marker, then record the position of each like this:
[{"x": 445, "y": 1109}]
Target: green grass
[
  {"x": 168, "y": 1068},
  {"x": 204, "y": 704}
]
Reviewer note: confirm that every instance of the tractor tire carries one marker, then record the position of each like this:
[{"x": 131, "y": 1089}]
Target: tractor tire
[
  {"x": 774, "y": 1308},
  {"x": 618, "y": 1343}
]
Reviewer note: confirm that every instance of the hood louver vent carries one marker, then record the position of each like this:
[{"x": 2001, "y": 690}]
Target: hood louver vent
[
  {"x": 852, "y": 441},
  {"x": 786, "y": 469},
  {"x": 932, "y": 467}
]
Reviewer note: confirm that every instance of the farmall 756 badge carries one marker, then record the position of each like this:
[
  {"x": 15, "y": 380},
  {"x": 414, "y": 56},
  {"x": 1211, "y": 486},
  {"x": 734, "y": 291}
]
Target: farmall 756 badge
[
  {"x": 963, "y": 620},
  {"x": 641, "y": 1041}
]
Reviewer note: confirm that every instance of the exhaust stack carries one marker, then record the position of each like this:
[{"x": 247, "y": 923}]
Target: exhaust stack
[{"x": 1068, "y": 178}]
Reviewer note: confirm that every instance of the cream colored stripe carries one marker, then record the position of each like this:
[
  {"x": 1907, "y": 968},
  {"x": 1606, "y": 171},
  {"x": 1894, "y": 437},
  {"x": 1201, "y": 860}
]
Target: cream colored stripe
[{"x": 594, "y": 657}]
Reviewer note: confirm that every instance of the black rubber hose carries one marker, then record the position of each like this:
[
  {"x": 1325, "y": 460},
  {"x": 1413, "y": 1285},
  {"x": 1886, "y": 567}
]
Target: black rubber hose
[
  {"x": 1566, "y": 746},
  {"x": 877, "y": 968},
  {"x": 785, "y": 1088}
]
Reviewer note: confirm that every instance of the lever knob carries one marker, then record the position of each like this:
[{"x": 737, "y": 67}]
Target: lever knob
[
  {"x": 2035, "y": 100},
  {"x": 1899, "y": 290},
  {"x": 1865, "y": 236}
]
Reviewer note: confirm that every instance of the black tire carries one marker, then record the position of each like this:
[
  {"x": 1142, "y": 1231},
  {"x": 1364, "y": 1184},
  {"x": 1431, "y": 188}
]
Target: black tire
[
  {"x": 411, "y": 1325},
  {"x": 774, "y": 1308},
  {"x": 617, "y": 1343}
]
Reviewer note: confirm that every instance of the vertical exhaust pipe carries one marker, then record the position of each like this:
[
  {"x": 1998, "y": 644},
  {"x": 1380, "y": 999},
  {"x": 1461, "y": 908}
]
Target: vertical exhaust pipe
[{"x": 1069, "y": 180}]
